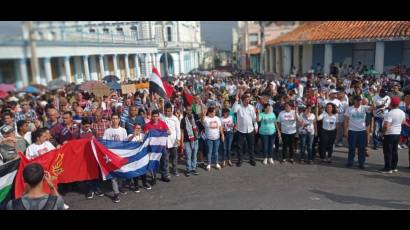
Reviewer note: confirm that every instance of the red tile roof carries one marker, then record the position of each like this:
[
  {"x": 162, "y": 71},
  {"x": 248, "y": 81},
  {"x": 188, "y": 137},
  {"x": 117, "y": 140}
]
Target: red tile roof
[{"x": 317, "y": 32}]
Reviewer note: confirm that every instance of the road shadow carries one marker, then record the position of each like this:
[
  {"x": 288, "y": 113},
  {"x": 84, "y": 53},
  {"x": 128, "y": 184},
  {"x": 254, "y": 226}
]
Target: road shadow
[
  {"x": 393, "y": 178},
  {"x": 365, "y": 201}
]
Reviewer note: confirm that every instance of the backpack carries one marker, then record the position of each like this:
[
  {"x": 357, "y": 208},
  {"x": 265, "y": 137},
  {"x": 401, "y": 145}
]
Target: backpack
[{"x": 50, "y": 204}]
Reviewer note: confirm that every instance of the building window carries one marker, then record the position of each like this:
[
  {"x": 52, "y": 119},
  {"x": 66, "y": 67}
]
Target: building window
[
  {"x": 158, "y": 33},
  {"x": 253, "y": 39},
  {"x": 92, "y": 30},
  {"x": 106, "y": 30},
  {"x": 120, "y": 31},
  {"x": 169, "y": 33},
  {"x": 134, "y": 32}
]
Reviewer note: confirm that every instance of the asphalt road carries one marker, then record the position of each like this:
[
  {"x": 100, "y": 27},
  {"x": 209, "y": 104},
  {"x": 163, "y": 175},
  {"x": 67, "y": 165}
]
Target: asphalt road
[{"x": 298, "y": 186}]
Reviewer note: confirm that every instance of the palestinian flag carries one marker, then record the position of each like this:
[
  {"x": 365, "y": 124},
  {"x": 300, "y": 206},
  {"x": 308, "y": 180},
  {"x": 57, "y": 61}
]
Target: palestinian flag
[
  {"x": 7, "y": 173},
  {"x": 157, "y": 85}
]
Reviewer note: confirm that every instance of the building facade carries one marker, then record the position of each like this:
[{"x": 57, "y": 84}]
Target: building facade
[
  {"x": 250, "y": 36},
  {"x": 377, "y": 44},
  {"x": 77, "y": 51}
]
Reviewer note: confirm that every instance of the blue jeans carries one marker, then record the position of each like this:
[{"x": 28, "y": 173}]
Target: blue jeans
[
  {"x": 356, "y": 139},
  {"x": 213, "y": 146},
  {"x": 268, "y": 142},
  {"x": 191, "y": 150},
  {"x": 306, "y": 142},
  {"x": 378, "y": 125},
  {"x": 227, "y": 144}
]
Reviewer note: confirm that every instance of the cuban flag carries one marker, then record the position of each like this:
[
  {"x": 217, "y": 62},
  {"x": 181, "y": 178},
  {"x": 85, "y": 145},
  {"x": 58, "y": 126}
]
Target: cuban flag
[
  {"x": 157, "y": 85},
  {"x": 128, "y": 159}
]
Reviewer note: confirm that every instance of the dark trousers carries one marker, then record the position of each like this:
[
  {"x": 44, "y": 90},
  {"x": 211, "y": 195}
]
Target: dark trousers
[
  {"x": 246, "y": 141},
  {"x": 268, "y": 141},
  {"x": 288, "y": 140},
  {"x": 143, "y": 178},
  {"x": 173, "y": 158},
  {"x": 357, "y": 139},
  {"x": 390, "y": 143},
  {"x": 327, "y": 139},
  {"x": 163, "y": 163}
]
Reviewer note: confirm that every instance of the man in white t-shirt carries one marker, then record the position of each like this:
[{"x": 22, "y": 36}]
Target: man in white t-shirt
[
  {"x": 116, "y": 133},
  {"x": 173, "y": 141},
  {"x": 380, "y": 103},
  {"x": 391, "y": 136},
  {"x": 343, "y": 106},
  {"x": 355, "y": 130}
]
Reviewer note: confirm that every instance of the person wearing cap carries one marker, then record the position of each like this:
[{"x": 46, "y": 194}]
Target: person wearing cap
[
  {"x": 391, "y": 136},
  {"x": 9, "y": 145},
  {"x": 380, "y": 103},
  {"x": 355, "y": 131}
]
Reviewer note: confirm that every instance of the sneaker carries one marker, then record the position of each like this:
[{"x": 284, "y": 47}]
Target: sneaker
[
  {"x": 230, "y": 163},
  {"x": 223, "y": 164},
  {"x": 175, "y": 173},
  {"x": 165, "y": 179},
  {"x": 99, "y": 193},
  {"x": 283, "y": 161},
  {"x": 116, "y": 198},
  {"x": 253, "y": 163},
  {"x": 187, "y": 174},
  {"x": 90, "y": 195},
  {"x": 384, "y": 171},
  {"x": 66, "y": 206},
  {"x": 329, "y": 160},
  {"x": 217, "y": 166},
  {"x": 265, "y": 161},
  {"x": 395, "y": 170},
  {"x": 404, "y": 146},
  {"x": 291, "y": 161},
  {"x": 136, "y": 189},
  {"x": 271, "y": 161},
  {"x": 399, "y": 147},
  {"x": 208, "y": 168},
  {"x": 123, "y": 192},
  {"x": 146, "y": 187},
  {"x": 153, "y": 181},
  {"x": 194, "y": 172}
]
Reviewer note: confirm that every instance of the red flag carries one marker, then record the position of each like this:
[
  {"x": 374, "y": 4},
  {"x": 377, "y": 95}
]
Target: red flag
[
  {"x": 189, "y": 99},
  {"x": 74, "y": 161},
  {"x": 169, "y": 89}
]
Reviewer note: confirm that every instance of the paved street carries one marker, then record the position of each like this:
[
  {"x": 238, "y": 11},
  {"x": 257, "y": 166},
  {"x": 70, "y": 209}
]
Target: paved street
[{"x": 319, "y": 186}]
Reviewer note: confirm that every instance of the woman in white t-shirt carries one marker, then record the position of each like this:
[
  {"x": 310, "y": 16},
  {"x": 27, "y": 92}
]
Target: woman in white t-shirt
[
  {"x": 286, "y": 125},
  {"x": 307, "y": 131},
  {"x": 392, "y": 126},
  {"x": 328, "y": 134},
  {"x": 40, "y": 144},
  {"x": 214, "y": 133}
]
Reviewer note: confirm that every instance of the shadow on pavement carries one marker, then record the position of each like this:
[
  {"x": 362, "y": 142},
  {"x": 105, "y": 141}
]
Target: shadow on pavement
[
  {"x": 365, "y": 201},
  {"x": 393, "y": 178}
]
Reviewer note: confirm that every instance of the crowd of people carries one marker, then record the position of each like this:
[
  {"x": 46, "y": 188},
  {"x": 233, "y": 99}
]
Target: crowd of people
[{"x": 289, "y": 119}]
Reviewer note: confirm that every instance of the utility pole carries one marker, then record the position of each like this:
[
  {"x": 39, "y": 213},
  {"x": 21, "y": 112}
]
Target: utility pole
[{"x": 33, "y": 48}]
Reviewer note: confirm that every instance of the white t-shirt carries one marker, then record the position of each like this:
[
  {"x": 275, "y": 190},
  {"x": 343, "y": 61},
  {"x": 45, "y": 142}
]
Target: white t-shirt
[
  {"x": 329, "y": 121},
  {"x": 287, "y": 122},
  {"x": 307, "y": 124},
  {"x": 139, "y": 138},
  {"x": 34, "y": 150},
  {"x": 378, "y": 101},
  {"x": 174, "y": 126},
  {"x": 343, "y": 106},
  {"x": 212, "y": 126},
  {"x": 118, "y": 134},
  {"x": 396, "y": 117},
  {"x": 227, "y": 123},
  {"x": 357, "y": 117}
]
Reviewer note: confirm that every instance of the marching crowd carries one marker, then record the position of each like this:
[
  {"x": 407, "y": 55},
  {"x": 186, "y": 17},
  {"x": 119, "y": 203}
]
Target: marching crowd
[{"x": 296, "y": 118}]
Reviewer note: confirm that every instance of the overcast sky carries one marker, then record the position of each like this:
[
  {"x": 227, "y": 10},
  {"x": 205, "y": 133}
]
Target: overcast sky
[
  {"x": 218, "y": 33},
  {"x": 10, "y": 28}
]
